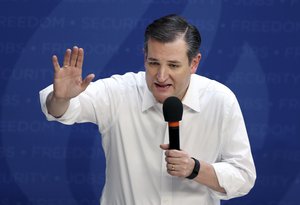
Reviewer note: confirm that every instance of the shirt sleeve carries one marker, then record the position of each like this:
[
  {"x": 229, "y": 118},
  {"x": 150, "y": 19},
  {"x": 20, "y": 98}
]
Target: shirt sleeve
[
  {"x": 69, "y": 117},
  {"x": 235, "y": 171},
  {"x": 98, "y": 104}
]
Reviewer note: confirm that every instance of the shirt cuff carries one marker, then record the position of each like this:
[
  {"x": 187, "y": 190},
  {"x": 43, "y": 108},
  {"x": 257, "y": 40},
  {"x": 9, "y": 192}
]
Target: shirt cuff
[
  {"x": 69, "y": 117},
  {"x": 230, "y": 179}
]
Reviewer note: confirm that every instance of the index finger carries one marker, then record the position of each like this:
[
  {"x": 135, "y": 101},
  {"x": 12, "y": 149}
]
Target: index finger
[
  {"x": 175, "y": 153},
  {"x": 55, "y": 63}
]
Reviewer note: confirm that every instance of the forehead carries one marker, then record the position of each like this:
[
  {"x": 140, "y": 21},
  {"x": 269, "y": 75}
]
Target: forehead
[{"x": 176, "y": 50}]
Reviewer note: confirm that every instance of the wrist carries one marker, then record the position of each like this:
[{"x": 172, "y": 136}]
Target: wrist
[
  {"x": 55, "y": 106},
  {"x": 52, "y": 97},
  {"x": 195, "y": 170}
]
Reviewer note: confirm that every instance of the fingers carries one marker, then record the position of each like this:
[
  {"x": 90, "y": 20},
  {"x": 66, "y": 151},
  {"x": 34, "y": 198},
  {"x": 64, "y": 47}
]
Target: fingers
[
  {"x": 87, "y": 81},
  {"x": 74, "y": 56},
  {"x": 175, "y": 158},
  {"x": 172, "y": 167},
  {"x": 175, "y": 153},
  {"x": 172, "y": 160},
  {"x": 180, "y": 169},
  {"x": 177, "y": 161},
  {"x": 67, "y": 57},
  {"x": 80, "y": 58},
  {"x": 164, "y": 146},
  {"x": 55, "y": 63},
  {"x": 176, "y": 170}
]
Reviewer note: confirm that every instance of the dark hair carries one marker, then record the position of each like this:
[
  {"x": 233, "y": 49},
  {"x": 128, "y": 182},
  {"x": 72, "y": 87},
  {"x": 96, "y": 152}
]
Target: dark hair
[{"x": 169, "y": 28}]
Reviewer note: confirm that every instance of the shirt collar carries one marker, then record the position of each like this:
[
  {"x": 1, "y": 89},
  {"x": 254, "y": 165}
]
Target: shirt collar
[
  {"x": 192, "y": 96},
  {"x": 148, "y": 100}
]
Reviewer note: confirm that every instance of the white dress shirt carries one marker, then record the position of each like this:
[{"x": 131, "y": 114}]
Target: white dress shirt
[{"x": 132, "y": 127}]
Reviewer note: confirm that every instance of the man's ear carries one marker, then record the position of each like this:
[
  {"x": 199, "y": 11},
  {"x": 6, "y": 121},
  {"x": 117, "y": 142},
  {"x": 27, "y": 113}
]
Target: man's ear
[
  {"x": 195, "y": 63},
  {"x": 145, "y": 55}
]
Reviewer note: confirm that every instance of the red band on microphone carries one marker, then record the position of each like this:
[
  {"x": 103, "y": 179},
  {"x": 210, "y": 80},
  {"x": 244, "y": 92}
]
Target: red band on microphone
[{"x": 173, "y": 124}]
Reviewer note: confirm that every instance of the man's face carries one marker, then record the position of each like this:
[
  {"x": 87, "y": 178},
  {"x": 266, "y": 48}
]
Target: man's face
[{"x": 168, "y": 71}]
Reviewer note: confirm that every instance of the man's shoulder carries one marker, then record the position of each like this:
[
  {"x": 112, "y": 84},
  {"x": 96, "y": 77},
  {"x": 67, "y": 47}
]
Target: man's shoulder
[
  {"x": 205, "y": 82},
  {"x": 211, "y": 87},
  {"x": 130, "y": 78}
]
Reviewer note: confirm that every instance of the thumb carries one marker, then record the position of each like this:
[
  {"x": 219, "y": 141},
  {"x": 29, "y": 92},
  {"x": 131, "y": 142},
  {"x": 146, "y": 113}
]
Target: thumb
[
  {"x": 87, "y": 81},
  {"x": 164, "y": 146}
]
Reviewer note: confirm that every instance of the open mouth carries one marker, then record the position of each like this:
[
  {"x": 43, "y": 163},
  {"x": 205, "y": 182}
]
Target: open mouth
[{"x": 163, "y": 86}]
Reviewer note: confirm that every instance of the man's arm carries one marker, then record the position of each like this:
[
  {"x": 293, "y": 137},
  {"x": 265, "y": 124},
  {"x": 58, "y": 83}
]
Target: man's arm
[
  {"x": 56, "y": 107},
  {"x": 67, "y": 82},
  {"x": 180, "y": 164},
  {"x": 207, "y": 176},
  {"x": 231, "y": 176}
]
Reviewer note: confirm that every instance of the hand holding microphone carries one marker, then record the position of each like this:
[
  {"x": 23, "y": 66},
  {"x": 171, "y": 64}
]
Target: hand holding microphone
[{"x": 179, "y": 163}]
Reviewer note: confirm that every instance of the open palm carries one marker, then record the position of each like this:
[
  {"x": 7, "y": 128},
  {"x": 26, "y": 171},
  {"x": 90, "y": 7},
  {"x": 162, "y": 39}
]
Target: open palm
[{"x": 68, "y": 81}]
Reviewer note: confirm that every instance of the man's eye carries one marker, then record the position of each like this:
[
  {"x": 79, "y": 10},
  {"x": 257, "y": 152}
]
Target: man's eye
[
  {"x": 153, "y": 63},
  {"x": 174, "y": 66}
]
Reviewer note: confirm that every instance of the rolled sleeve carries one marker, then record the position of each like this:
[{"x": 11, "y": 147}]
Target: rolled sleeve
[
  {"x": 235, "y": 170},
  {"x": 232, "y": 180},
  {"x": 69, "y": 117}
]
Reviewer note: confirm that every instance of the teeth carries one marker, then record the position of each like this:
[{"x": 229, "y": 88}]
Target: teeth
[{"x": 162, "y": 86}]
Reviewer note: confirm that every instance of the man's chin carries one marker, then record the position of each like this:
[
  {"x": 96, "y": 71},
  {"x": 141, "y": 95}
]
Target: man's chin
[{"x": 162, "y": 98}]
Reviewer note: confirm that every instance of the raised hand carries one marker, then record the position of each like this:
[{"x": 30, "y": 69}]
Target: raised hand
[{"x": 68, "y": 81}]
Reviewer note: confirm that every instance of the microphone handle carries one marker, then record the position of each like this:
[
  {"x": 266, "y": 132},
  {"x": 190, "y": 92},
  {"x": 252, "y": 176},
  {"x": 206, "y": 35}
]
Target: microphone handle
[{"x": 174, "y": 138}]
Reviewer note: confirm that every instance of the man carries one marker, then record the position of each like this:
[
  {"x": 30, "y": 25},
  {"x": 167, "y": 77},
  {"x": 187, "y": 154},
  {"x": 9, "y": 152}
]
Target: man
[{"x": 215, "y": 160}]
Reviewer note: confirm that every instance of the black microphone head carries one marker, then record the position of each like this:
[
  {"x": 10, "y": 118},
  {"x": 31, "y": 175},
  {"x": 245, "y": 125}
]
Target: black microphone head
[{"x": 172, "y": 109}]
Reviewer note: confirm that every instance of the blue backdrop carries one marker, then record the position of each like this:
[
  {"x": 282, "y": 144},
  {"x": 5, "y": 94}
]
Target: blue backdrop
[{"x": 252, "y": 46}]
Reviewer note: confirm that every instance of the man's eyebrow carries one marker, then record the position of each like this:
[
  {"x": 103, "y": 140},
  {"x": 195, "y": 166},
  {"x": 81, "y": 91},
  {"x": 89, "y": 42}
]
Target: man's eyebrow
[
  {"x": 174, "y": 61},
  {"x": 170, "y": 61},
  {"x": 152, "y": 59}
]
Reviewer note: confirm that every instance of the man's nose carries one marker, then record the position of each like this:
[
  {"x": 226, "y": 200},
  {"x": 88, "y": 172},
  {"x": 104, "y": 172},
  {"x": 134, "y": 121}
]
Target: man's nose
[{"x": 162, "y": 74}]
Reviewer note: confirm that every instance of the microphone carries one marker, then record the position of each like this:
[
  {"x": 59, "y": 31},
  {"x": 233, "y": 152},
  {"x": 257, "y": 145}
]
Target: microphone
[{"x": 172, "y": 110}]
